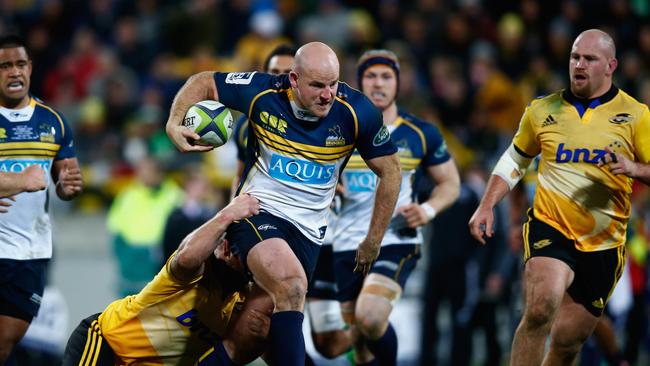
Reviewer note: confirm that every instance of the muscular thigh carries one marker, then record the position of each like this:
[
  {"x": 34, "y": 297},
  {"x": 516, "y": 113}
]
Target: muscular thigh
[
  {"x": 245, "y": 235},
  {"x": 596, "y": 276},
  {"x": 593, "y": 274}
]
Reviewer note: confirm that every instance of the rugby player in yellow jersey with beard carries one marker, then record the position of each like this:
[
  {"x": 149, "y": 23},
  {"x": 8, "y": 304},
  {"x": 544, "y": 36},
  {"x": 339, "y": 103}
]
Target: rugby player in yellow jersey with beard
[
  {"x": 593, "y": 140},
  {"x": 185, "y": 315}
]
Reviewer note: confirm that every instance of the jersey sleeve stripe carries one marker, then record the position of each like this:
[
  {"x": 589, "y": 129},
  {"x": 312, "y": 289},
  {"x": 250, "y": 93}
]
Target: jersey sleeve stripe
[
  {"x": 420, "y": 133},
  {"x": 256, "y": 97},
  {"x": 354, "y": 116},
  {"x": 56, "y": 115}
]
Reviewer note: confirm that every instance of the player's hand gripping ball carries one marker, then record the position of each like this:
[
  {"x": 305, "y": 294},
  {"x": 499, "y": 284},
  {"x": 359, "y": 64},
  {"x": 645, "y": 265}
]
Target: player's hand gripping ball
[{"x": 211, "y": 120}]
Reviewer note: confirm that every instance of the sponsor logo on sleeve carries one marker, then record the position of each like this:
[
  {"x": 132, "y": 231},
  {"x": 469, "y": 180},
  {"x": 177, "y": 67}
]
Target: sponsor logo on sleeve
[
  {"x": 441, "y": 151},
  {"x": 381, "y": 137},
  {"x": 241, "y": 78}
]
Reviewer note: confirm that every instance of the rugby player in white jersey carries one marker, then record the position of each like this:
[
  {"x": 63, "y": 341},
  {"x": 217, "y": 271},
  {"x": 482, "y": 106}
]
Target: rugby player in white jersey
[
  {"x": 304, "y": 126},
  {"x": 31, "y": 134},
  {"x": 367, "y": 302}
]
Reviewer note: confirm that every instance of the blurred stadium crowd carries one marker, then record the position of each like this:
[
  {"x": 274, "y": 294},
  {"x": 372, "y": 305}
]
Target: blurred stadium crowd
[{"x": 112, "y": 68}]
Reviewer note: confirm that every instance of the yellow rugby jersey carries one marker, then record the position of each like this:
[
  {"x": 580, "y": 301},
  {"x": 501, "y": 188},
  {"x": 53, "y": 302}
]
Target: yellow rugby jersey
[
  {"x": 170, "y": 322},
  {"x": 584, "y": 202}
]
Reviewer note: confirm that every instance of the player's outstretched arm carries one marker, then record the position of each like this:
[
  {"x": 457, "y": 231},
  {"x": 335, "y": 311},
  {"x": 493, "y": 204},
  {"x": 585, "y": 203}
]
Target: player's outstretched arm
[
  {"x": 388, "y": 170},
  {"x": 198, "y": 87},
  {"x": 444, "y": 194},
  {"x": 202, "y": 242},
  {"x": 31, "y": 179}
]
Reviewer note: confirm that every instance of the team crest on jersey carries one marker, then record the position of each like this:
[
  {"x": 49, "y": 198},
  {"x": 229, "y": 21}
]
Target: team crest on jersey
[
  {"x": 47, "y": 133},
  {"x": 335, "y": 138},
  {"x": 3, "y": 133},
  {"x": 241, "y": 78},
  {"x": 403, "y": 148},
  {"x": 382, "y": 136},
  {"x": 621, "y": 118}
]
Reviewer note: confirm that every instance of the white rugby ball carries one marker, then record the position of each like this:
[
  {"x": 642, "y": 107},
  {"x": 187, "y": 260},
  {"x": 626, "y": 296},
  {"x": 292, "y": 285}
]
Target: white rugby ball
[{"x": 211, "y": 120}]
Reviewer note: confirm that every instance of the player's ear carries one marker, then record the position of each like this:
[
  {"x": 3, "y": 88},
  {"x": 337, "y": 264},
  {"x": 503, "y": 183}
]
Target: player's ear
[
  {"x": 611, "y": 65},
  {"x": 293, "y": 79}
]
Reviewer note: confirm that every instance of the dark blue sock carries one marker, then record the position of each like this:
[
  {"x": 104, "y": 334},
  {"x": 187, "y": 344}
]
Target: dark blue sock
[
  {"x": 385, "y": 348},
  {"x": 287, "y": 343},
  {"x": 218, "y": 357}
]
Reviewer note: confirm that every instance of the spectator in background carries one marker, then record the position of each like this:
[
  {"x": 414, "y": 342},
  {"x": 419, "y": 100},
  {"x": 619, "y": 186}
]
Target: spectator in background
[
  {"x": 197, "y": 207},
  {"x": 136, "y": 221}
]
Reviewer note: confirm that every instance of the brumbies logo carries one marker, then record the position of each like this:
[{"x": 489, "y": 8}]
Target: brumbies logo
[
  {"x": 381, "y": 137},
  {"x": 335, "y": 138},
  {"x": 621, "y": 118}
]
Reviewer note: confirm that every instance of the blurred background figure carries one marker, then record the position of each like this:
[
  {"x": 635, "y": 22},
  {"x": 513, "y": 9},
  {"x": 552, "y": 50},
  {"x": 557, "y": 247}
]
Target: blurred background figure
[
  {"x": 198, "y": 205},
  {"x": 136, "y": 221}
]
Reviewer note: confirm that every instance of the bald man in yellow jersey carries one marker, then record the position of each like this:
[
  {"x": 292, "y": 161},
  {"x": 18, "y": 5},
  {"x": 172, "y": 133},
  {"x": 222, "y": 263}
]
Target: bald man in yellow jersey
[
  {"x": 183, "y": 316},
  {"x": 593, "y": 139}
]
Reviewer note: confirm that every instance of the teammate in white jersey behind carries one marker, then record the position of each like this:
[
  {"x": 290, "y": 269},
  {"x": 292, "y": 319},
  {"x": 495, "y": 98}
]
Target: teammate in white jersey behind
[
  {"x": 32, "y": 134},
  {"x": 304, "y": 126},
  {"x": 367, "y": 302}
]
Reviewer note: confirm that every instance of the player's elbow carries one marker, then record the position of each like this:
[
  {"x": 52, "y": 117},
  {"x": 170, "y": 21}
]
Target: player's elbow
[
  {"x": 203, "y": 85},
  {"x": 187, "y": 259}
]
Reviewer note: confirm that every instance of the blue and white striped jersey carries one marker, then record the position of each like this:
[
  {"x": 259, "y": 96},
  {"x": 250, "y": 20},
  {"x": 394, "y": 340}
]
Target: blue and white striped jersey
[
  {"x": 419, "y": 145},
  {"x": 293, "y": 162},
  {"x": 36, "y": 134}
]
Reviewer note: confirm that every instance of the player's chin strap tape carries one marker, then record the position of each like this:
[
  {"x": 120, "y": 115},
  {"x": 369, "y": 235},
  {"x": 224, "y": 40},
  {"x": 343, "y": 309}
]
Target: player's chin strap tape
[{"x": 512, "y": 166}]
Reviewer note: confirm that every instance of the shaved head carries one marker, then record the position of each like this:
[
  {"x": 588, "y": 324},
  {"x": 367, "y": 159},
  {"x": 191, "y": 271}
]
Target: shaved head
[
  {"x": 600, "y": 38},
  {"x": 592, "y": 64},
  {"x": 314, "y": 78},
  {"x": 316, "y": 56}
]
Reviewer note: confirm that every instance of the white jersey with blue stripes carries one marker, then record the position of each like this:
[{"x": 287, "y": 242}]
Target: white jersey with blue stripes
[
  {"x": 35, "y": 134},
  {"x": 419, "y": 145},
  {"x": 294, "y": 159}
]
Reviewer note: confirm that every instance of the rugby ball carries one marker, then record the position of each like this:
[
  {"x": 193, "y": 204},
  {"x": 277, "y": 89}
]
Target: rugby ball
[{"x": 211, "y": 120}]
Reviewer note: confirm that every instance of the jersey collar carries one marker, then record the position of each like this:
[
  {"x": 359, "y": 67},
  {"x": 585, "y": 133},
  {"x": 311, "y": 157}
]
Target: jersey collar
[
  {"x": 19, "y": 115},
  {"x": 298, "y": 112},
  {"x": 583, "y": 104}
]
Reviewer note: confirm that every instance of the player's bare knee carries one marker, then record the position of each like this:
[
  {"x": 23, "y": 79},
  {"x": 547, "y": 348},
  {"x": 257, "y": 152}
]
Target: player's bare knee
[
  {"x": 539, "y": 315},
  {"x": 290, "y": 293}
]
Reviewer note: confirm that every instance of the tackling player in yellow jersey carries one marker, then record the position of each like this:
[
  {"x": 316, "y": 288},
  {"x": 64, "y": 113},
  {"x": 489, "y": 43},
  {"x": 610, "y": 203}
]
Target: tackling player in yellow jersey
[
  {"x": 184, "y": 314},
  {"x": 593, "y": 139}
]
